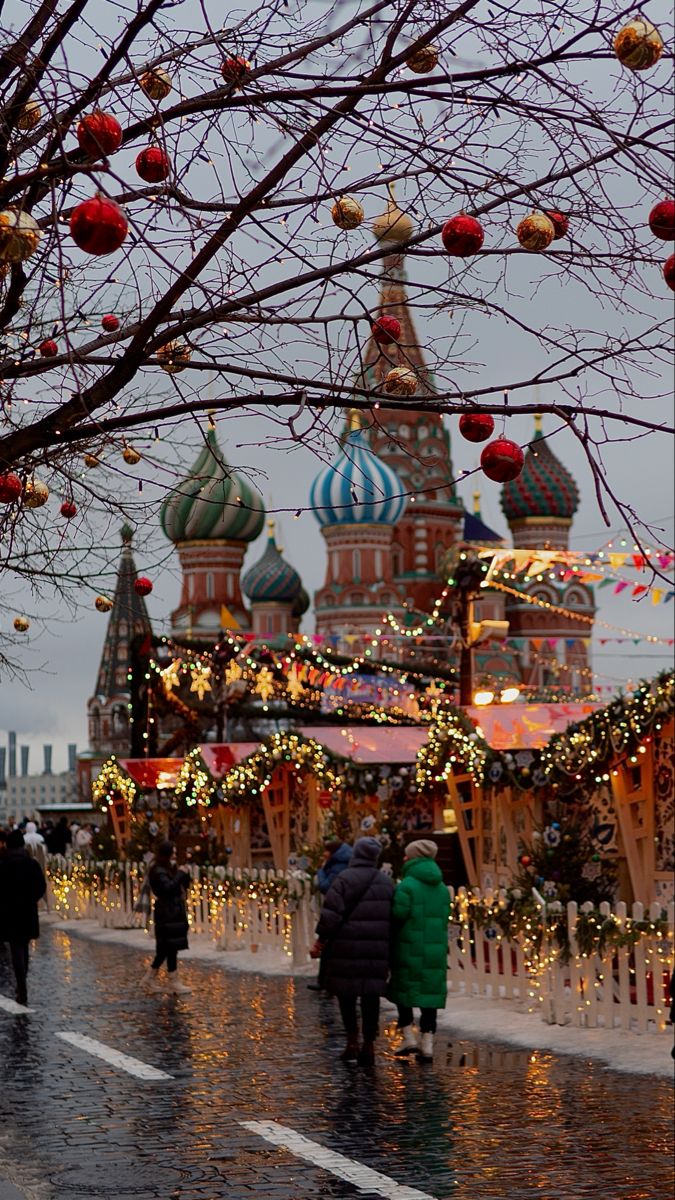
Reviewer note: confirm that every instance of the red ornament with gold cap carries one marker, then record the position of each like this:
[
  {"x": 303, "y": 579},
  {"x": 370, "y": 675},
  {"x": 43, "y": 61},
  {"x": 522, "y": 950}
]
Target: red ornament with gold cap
[
  {"x": 386, "y": 330},
  {"x": 143, "y": 586},
  {"x": 99, "y": 134},
  {"x": 98, "y": 225},
  {"x": 48, "y": 348},
  {"x": 662, "y": 220},
  {"x": 235, "y": 68},
  {"x": 153, "y": 164},
  {"x": 669, "y": 272},
  {"x": 462, "y": 236},
  {"x": 559, "y": 221},
  {"x": 502, "y": 460},
  {"x": 110, "y": 323},
  {"x": 11, "y": 487},
  {"x": 68, "y": 509},
  {"x": 476, "y": 426}
]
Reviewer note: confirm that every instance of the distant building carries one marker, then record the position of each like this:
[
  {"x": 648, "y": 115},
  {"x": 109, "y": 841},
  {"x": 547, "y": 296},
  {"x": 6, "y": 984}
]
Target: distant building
[{"x": 30, "y": 795}]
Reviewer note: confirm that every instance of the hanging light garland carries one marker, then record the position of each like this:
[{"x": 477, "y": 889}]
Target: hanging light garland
[{"x": 112, "y": 782}]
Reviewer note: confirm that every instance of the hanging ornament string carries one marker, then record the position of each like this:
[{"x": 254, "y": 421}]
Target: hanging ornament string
[{"x": 576, "y": 616}]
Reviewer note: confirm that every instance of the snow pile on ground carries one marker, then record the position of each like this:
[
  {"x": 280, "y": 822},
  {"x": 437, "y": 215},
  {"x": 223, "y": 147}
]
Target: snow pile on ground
[{"x": 464, "y": 1016}]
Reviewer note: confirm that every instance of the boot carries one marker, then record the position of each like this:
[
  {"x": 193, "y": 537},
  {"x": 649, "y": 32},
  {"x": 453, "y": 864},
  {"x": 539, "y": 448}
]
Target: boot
[
  {"x": 150, "y": 981},
  {"x": 351, "y": 1050},
  {"x": 426, "y": 1050},
  {"x": 176, "y": 987},
  {"x": 21, "y": 995},
  {"x": 409, "y": 1045},
  {"x": 367, "y": 1055}
]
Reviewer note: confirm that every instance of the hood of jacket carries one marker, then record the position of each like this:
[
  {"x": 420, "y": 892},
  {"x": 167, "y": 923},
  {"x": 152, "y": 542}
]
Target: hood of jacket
[
  {"x": 424, "y": 869},
  {"x": 343, "y": 855},
  {"x": 366, "y": 853}
]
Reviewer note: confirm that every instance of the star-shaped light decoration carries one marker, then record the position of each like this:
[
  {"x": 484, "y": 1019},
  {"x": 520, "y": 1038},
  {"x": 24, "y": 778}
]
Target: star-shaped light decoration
[
  {"x": 264, "y": 685},
  {"x": 171, "y": 675},
  {"x": 294, "y": 685},
  {"x": 233, "y": 672},
  {"x": 435, "y": 695},
  {"x": 200, "y": 681}
]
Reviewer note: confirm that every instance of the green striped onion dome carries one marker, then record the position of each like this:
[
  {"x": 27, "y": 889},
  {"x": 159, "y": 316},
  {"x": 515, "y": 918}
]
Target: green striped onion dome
[
  {"x": 213, "y": 503},
  {"x": 272, "y": 578},
  {"x": 544, "y": 488}
]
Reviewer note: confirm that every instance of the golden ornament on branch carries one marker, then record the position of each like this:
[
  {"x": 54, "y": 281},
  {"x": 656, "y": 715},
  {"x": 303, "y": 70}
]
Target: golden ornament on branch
[
  {"x": 638, "y": 45},
  {"x": 91, "y": 461},
  {"x": 30, "y": 115},
  {"x": 347, "y": 213},
  {"x": 400, "y": 381},
  {"x": 103, "y": 604},
  {"x": 35, "y": 493},
  {"x": 536, "y": 232},
  {"x": 423, "y": 60},
  {"x": 156, "y": 83},
  {"x": 19, "y": 235},
  {"x": 174, "y": 357},
  {"x": 131, "y": 456},
  {"x": 21, "y": 624}
]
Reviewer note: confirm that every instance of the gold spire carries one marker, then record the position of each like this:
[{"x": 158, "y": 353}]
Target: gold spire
[
  {"x": 476, "y": 504},
  {"x": 271, "y": 527},
  {"x": 354, "y": 420},
  {"x": 538, "y": 423}
]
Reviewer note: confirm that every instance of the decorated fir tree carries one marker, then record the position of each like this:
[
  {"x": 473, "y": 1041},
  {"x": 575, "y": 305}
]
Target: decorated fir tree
[{"x": 565, "y": 861}]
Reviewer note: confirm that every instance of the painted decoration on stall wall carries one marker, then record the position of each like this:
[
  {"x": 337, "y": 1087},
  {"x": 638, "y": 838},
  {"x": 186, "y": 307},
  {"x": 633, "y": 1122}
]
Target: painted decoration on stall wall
[
  {"x": 527, "y": 726},
  {"x": 601, "y": 801},
  {"x": 664, "y": 801}
]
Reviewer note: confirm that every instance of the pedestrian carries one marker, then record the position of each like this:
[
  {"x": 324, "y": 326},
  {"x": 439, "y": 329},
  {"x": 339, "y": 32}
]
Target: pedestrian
[
  {"x": 22, "y": 886},
  {"x": 83, "y": 839},
  {"x": 169, "y": 885},
  {"x": 60, "y": 837},
  {"x": 353, "y": 935},
  {"x": 419, "y": 977},
  {"x": 35, "y": 843},
  {"x": 336, "y": 857}
]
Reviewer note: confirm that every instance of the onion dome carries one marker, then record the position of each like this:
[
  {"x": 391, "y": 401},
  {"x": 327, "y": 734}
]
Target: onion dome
[
  {"x": 544, "y": 488},
  {"x": 213, "y": 503},
  {"x": 272, "y": 579},
  {"x": 300, "y": 604},
  {"x": 393, "y": 225},
  {"x": 358, "y": 488}
]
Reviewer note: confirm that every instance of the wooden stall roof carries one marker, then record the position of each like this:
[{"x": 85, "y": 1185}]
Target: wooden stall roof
[
  {"x": 526, "y": 726},
  {"x": 220, "y": 756},
  {"x": 150, "y": 773},
  {"x": 384, "y": 744}
]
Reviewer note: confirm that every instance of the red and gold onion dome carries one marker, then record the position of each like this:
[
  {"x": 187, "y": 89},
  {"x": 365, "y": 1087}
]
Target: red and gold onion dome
[{"x": 545, "y": 493}]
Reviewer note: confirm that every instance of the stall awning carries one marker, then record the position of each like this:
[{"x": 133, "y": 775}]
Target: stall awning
[
  {"x": 363, "y": 744},
  {"x": 220, "y": 757},
  {"x": 526, "y": 726},
  {"x": 152, "y": 773}
]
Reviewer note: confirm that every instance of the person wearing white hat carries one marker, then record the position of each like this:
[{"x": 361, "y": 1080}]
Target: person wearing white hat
[{"x": 419, "y": 977}]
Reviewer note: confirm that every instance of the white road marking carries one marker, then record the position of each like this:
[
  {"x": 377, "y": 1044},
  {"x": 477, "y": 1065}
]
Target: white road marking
[
  {"x": 362, "y": 1177},
  {"x": 12, "y": 1007},
  {"x": 132, "y": 1066}
]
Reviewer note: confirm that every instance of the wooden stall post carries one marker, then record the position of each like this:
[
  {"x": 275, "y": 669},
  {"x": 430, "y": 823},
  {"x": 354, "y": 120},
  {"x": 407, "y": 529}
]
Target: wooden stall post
[{"x": 276, "y": 804}]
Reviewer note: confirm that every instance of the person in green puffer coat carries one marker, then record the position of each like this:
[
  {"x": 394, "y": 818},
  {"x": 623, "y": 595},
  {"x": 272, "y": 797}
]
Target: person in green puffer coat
[{"x": 419, "y": 969}]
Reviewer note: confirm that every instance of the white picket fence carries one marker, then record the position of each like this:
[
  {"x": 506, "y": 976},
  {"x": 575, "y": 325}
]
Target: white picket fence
[
  {"x": 274, "y": 912},
  {"x": 625, "y": 989},
  {"x": 240, "y": 910}
]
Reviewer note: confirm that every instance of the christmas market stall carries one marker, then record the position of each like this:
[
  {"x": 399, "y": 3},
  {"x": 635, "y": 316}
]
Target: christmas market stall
[
  {"x": 128, "y": 789},
  {"x": 515, "y": 779}
]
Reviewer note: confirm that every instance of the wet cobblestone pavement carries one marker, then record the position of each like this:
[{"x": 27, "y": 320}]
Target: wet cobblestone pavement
[{"x": 482, "y": 1123}]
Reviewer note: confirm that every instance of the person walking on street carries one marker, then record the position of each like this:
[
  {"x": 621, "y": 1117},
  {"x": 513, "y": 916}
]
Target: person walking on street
[
  {"x": 353, "y": 933},
  {"x": 169, "y": 885},
  {"x": 35, "y": 843},
  {"x": 60, "y": 838},
  {"x": 419, "y": 977},
  {"x": 22, "y": 886},
  {"x": 337, "y": 858}
]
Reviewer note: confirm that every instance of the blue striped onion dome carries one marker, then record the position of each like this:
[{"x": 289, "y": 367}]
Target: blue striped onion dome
[
  {"x": 213, "y": 503},
  {"x": 358, "y": 488},
  {"x": 272, "y": 578}
]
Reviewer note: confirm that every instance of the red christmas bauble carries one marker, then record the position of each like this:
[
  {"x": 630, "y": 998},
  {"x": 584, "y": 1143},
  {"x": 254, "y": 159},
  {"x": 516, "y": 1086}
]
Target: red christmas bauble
[
  {"x": 502, "y": 460},
  {"x": 662, "y": 220},
  {"x": 386, "y": 330},
  {"x": 11, "y": 488},
  {"x": 68, "y": 510},
  {"x": 235, "y": 69},
  {"x": 143, "y": 586},
  {"x": 560, "y": 223},
  {"x": 98, "y": 225},
  {"x": 99, "y": 134},
  {"x": 152, "y": 164},
  {"x": 525, "y": 860},
  {"x": 48, "y": 348},
  {"x": 110, "y": 323},
  {"x": 476, "y": 426},
  {"x": 669, "y": 272},
  {"x": 463, "y": 236}
]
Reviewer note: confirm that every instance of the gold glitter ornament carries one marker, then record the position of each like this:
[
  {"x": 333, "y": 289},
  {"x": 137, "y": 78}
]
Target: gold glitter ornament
[
  {"x": 19, "y": 235},
  {"x": 638, "y": 45},
  {"x": 536, "y": 232},
  {"x": 156, "y": 83},
  {"x": 423, "y": 60},
  {"x": 347, "y": 213},
  {"x": 35, "y": 493},
  {"x": 400, "y": 381},
  {"x": 103, "y": 604},
  {"x": 131, "y": 456},
  {"x": 174, "y": 357},
  {"x": 30, "y": 115},
  {"x": 21, "y": 624}
]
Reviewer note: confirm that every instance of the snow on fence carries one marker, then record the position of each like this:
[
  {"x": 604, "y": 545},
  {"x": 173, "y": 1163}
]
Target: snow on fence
[{"x": 625, "y": 986}]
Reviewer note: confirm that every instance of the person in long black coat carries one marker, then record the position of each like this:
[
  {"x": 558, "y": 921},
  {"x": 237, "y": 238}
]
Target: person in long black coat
[
  {"x": 169, "y": 885},
  {"x": 22, "y": 886},
  {"x": 354, "y": 933}
]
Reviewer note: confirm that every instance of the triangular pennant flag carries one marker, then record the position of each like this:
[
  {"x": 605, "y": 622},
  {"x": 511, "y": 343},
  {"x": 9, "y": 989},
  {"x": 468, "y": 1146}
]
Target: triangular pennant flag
[
  {"x": 639, "y": 589},
  {"x": 607, "y": 580},
  {"x": 617, "y": 560},
  {"x": 639, "y": 562},
  {"x": 669, "y": 596},
  {"x": 587, "y": 643},
  {"x": 657, "y": 595},
  {"x": 227, "y": 619},
  {"x": 620, "y": 586}
]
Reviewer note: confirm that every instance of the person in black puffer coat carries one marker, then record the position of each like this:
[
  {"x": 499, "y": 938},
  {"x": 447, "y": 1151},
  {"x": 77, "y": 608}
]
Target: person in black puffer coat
[
  {"x": 168, "y": 885},
  {"x": 354, "y": 934},
  {"x": 22, "y": 886}
]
